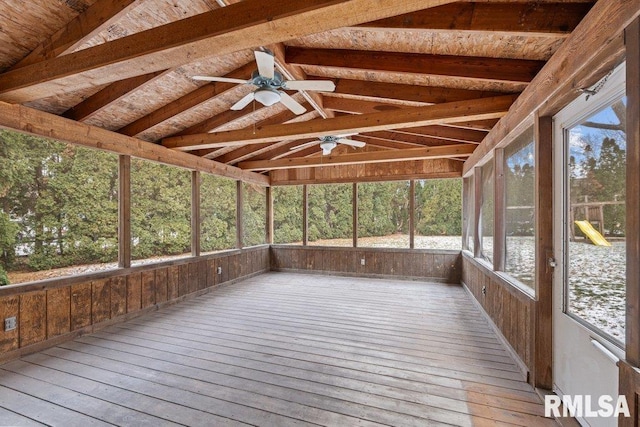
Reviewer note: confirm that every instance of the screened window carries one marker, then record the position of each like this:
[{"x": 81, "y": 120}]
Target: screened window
[
  {"x": 58, "y": 208},
  {"x": 330, "y": 215},
  {"x": 519, "y": 170},
  {"x": 438, "y": 215},
  {"x": 487, "y": 212},
  {"x": 160, "y": 211},
  {"x": 383, "y": 214},
  {"x": 468, "y": 206},
  {"x": 254, "y": 215},
  {"x": 217, "y": 213},
  {"x": 287, "y": 214}
]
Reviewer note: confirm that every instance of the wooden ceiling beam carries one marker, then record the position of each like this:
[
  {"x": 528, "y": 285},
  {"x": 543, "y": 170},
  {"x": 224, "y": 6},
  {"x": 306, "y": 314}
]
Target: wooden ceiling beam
[
  {"x": 98, "y": 17},
  {"x": 109, "y": 95},
  {"x": 530, "y": 18},
  {"x": 446, "y": 132},
  {"x": 190, "y": 100},
  {"x": 490, "y": 69},
  {"x": 459, "y": 150},
  {"x": 226, "y": 154},
  {"x": 485, "y": 125},
  {"x": 405, "y": 92},
  {"x": 356, "y": 106},
  {"x": 479, "y": 109},
  {"x": 216, "y": 121},
  {"x": 244, "y": 25},
  {"x": 390, "y": 135},
  {"x": 24, "y": 119},
  {"x": 581, "y": 56}
]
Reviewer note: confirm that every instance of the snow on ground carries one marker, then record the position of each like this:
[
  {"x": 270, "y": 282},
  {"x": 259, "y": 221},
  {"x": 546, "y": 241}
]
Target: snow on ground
[{"x": 596, "y": 273}]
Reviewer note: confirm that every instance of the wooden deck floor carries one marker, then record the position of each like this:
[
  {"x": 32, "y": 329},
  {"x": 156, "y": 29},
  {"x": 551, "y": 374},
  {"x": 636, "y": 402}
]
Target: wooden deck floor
[{"x": 282, "y": 349}]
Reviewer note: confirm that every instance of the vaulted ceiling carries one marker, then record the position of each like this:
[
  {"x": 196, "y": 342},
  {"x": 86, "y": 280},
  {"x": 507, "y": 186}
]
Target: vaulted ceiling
[{"x": 415, "y": 79}]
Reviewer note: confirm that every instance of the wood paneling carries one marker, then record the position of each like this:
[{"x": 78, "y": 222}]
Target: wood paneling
[
  {"x": 118, "y": 296},
  {"x": 80, "y": 306},
  {"x": 173, "y": 282},
  {"x": 134, "y": 292},
  {"x": 508, "y": 307},
  {"x": 100, "y": 300},
  {"x": 392, "y": 171},
  {"x": 33, "y": 318},
  {"x": 443, "y": 266},
  {"x": 58, "y": 311},
  {"x": 9, "y": 307},
  {"x": 59, "y": 307},
  {"x": 161, "y": 285},
  {"x": 148, "y": 288}
]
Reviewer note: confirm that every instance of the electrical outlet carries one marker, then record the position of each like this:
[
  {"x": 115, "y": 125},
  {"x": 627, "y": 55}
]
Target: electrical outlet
[
  {"x": 362, "y": 261},
  {"x": 219, "y": 270},
  {"x": 10, "y": 323}
]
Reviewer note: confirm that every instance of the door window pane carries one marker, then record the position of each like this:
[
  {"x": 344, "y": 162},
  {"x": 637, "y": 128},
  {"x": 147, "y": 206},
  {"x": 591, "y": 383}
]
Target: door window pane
[{"x": 596, "y": 264}]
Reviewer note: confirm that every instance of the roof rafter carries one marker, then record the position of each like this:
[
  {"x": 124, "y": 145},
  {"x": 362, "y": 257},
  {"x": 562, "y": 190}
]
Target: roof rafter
[
  {"x": 459, "y": 150},
  {"x": 239, "y": 26},
  {"x": 490, "y": 69},
  {"x": 405, "y": 92},
  {"x": 190, "y": 100},
  {"x": 108, "y": 95},
  {"x": 452, "y": 112},
  {"x": 83, "y": 27},
  {"x": 520, "y": 18}
]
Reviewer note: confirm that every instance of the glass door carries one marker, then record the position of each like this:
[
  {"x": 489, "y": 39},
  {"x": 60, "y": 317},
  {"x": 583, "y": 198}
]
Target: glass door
[{"x": 589, "y": 280}]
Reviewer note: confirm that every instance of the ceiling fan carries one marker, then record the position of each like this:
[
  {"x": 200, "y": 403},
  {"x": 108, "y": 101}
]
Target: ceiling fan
[
  {"x": 329, "y": 142},
  {"x": 271, "y": 85}
]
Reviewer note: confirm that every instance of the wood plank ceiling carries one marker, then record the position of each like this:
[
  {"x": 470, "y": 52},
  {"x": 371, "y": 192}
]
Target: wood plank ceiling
[{"x": 415, "y": 79}]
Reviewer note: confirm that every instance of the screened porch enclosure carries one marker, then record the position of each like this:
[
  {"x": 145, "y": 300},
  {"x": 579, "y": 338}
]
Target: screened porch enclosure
[{"x": 352, "y": 212}]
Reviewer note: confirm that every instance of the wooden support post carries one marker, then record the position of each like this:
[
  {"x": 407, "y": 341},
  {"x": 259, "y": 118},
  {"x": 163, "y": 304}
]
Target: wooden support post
[
  {"x": 542, "y": 374},
  {"x": 239, "y": 216},
  {"x": 195, "y": 213},
  {"x": 500, "y": 202},
  {"x": 477, "y": 205},
  {"x": 355, "y": 214},
  {"x": 412, "y": 214},
  {"x": 124, "y": 211},
  {"x": 269, "y": 201},
  {"x": 632, "y": 342},
  {"x": 305, "y": 215}
]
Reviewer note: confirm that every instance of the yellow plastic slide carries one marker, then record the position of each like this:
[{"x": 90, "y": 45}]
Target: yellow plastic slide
[{"x": 592, "y": 234}]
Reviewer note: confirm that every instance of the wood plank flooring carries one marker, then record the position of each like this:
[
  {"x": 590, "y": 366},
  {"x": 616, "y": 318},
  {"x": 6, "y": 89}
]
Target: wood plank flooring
[{"x": 282, "y": 349}]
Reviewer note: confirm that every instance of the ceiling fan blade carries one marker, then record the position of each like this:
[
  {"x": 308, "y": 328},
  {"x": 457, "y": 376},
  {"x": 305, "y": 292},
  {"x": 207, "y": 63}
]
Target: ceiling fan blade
[
  {"x": 266, "y": 64},
  {"x": 291, "y": 103},
  {"x": 351, "y": 142},
  {"x": 308, "y": 144},
  {"x": 246, "y": 100},
  {"x": 219, "y": 79},
  {"x": 320, "y": 85}
]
